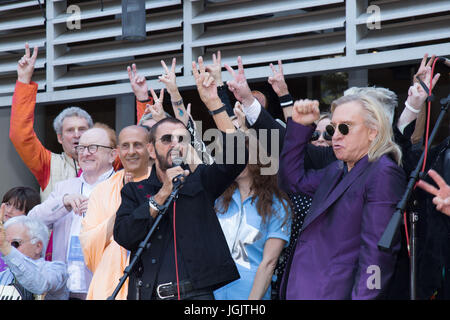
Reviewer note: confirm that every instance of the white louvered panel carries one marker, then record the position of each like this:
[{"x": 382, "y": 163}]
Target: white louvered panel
[
  {"x": 16, "y": 41},
  {"x": 113, "y": 28},
  {"x": 236, "y": 9},
  {"x": 407, "y": 33},
  {"x": 92, "y": 9},
  {"x": 292, "y": 48},
  {"x": 392, "y": 10},
  {"x": 7, "y": 84},
  {"x": 272, "y": 27},
  {"x": 19, "y": 5},
  {"x": 20, "y": 22},
  {"x": 117, "y": 71},
  {"x": 119, "y": 49},
  {"x": 24, "y": 20}
]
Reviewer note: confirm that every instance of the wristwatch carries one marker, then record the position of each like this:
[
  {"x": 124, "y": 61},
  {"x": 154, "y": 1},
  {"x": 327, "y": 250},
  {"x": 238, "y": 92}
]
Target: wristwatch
[{"x": 154, "y": 205}]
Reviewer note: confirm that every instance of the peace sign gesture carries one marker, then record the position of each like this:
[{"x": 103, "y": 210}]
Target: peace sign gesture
[
  {"x": 277, "y": 80},
  {"x": 206, "y": 85},
  {"x": 169, "y": 77},
  {"x": 442, "y": 195},
  {"x": 25, "y": 67},
  {"x": 424, "y": 72},
  {"x": 215, "y": 69},
  {"x": 156, "y": 109},
  {"x": 238, "y": 85},
  {"x": 138, "y": 83}
]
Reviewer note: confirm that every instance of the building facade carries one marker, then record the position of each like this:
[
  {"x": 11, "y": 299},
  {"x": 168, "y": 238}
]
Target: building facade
[{"x": 325, "y": 45}]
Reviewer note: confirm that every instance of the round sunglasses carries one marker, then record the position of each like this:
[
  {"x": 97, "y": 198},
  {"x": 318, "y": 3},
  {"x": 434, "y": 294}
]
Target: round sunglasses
[
  {"x": 316, "y": 135},
  {"x": 342, "y": 127}
]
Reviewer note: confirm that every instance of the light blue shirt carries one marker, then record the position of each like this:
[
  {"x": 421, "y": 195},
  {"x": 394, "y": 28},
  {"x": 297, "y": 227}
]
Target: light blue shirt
[
  {"x": 37, "y": 276},
  {"x": 246, "y": 235}
]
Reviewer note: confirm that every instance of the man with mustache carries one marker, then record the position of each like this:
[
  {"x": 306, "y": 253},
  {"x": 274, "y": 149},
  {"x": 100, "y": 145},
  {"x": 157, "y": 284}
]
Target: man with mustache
[{"x": 188, "y": 257}]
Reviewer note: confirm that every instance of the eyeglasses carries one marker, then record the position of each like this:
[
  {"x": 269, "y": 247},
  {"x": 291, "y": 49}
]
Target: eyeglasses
[
  {"x": 316, "y": 135},
  {"x": 168, "y": 138},
  {"x": 92, "y": 148},
  {"x": 342, "y": 127}
]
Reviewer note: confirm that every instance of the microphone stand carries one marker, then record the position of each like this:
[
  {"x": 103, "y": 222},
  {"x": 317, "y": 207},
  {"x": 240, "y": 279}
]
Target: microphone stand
[
  {"x": 390, "y": 233},
  {"x": 145, "y": 244}
]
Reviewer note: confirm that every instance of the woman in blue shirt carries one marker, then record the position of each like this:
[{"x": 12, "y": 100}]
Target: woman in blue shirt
[{"x": 255, "y": 218}]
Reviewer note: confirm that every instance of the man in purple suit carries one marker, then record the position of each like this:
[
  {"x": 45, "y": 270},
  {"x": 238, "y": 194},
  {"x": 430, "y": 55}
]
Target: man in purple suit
[{"x": 336, "y": 256}]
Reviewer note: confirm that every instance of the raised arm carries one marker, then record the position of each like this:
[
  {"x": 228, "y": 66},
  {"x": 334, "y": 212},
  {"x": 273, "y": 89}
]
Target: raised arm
[
  {"x": 21, "y": 132},
  {"x": 280, "y": 87},
  {"x": 415, "y": 103},
  {"x": 169, "y": 79},
  {"x": 140, "y": 90},
  {"x": 293, "y": 177},
  {"x": 215, "y": 70},
  {"x": 218, "y": 176},
  {"x": 207, "y": 90}
]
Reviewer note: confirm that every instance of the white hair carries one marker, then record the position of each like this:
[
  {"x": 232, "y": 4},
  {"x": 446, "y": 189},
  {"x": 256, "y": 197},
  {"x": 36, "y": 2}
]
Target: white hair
[
  {"x": 375, "y": 118},
  {"x": 37, "y": 230},
  {"x": 386, "y": 97},
  {"x": 71, "y": 112}
]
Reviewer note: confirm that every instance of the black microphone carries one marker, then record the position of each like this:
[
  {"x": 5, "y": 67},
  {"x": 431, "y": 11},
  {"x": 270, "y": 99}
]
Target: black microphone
[{"x": 177, "y": 161}]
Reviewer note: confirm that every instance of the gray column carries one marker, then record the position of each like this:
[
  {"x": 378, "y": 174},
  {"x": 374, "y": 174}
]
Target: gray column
[
  {"x": 358, "y": 78},
  {"x": 125, "y": 111}
]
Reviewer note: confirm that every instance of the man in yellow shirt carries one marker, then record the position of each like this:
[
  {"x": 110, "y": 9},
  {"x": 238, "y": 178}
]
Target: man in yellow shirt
[{"x": 103, "y": 256}]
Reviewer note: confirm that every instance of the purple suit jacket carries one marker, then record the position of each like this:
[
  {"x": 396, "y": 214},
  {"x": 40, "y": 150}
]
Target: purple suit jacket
[{"x": 336, "y": 256}]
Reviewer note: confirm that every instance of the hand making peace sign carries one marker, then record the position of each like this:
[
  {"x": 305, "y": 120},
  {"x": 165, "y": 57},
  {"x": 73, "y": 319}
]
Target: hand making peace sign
[{"x": 26, "y": 64}]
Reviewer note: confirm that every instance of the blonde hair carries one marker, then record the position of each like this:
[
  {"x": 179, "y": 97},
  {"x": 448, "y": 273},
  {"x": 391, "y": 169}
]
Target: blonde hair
[{"x": 375, "y": 118}]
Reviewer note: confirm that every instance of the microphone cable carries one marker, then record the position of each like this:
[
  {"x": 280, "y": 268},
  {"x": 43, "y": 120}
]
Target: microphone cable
[
  {"x": 175, "y": 249},
  {"x": 430, "y": 98}
]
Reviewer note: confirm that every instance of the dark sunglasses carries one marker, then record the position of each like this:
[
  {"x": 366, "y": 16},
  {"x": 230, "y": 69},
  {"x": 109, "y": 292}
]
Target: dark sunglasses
[
  {"x": 316, "y": 135},
  {"x": 168, "y": 138},
  {"x": 342, "y": 127},
  {"x": 16, "y": 244}
]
